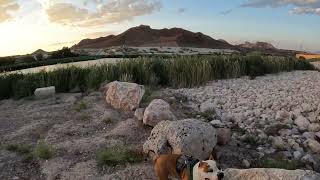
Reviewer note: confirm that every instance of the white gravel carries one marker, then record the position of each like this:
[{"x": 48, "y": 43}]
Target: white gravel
[{"x": 255, "y": 105}]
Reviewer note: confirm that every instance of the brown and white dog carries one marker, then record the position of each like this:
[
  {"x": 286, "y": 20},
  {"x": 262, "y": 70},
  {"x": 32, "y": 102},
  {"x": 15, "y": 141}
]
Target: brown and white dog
[{"x": 170, "y": 166}]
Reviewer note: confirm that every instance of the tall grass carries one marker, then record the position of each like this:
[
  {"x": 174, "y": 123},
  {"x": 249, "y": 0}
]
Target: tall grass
[{"x": 177, "y": 71}]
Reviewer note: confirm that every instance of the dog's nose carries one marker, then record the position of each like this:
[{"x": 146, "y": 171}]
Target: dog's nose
[{"x": 220, "y": 175}]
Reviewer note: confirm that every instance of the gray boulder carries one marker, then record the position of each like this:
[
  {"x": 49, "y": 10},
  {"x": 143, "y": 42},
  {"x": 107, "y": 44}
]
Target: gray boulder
[
  {"x": 124, "y": 95},
  {"x": 45, "y": 92},
  {"x": 157, "y": 111},
  {"x": 190, "y": 137}
]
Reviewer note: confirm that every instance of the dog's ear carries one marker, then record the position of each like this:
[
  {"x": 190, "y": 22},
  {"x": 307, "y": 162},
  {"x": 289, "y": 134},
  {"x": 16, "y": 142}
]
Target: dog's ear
[
  {"x": 200, "y": 164},
  {"x": 211, "y": 157}
]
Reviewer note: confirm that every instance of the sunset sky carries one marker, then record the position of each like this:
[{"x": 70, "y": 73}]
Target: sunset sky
[{"x": 28, "y": 25}]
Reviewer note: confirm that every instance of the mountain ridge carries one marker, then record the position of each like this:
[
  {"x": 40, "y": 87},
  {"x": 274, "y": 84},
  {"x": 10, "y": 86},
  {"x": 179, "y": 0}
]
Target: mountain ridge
[{"x": 144, "y": 36}]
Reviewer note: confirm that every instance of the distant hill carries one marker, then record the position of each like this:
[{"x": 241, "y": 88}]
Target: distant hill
[
  {"x": 145, "y": 36},
  {"x": 258, "y": 46},
  {"x": 265, "y": 48}
]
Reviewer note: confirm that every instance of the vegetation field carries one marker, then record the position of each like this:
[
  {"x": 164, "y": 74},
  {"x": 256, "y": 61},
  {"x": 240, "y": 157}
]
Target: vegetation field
[{"x": 176, "y": 71}]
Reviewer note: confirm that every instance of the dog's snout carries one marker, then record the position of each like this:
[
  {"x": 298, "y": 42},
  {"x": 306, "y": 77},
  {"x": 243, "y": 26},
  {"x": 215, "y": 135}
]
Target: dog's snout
[{"x": 220, "y": 175}]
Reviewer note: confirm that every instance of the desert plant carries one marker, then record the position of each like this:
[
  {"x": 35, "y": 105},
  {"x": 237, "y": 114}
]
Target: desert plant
[
  {"x": 171, "y": 71},
  {"x": 114, "y": 156},
  {"x": 43, "y": 151},
  {"x": 81, "y": 106}
]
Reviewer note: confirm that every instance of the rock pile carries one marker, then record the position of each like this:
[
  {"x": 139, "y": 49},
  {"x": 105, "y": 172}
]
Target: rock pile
[{"x": 282, "y": 112}]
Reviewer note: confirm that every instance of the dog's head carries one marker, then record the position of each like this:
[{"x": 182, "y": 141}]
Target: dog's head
[{"x": 208, "y": 170}]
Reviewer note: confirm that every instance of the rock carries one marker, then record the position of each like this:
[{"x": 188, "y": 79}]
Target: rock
[
  {"x": 317, "y": 136},
  {"x": 314, "y": 127},
  {"x": 157, "y": 111},
  {"x": 207, "y": 106},
  {"x": 308, "y": 159},
  {"x": 297, "y": 154},
  {"x": 223, "y": 135},
  {"x": 302, "y": 123},
  {"x": 46, "y": 92},
  {"x": 306, "y": 107},
  {"x": 123, "y": 95},
  {"x": 139, "y": 114},
  {"x": 217, "y": 123},
  {"x": 282, "y": 115},
  {"x": 308, "y": 135},
  {"x": 313, "y": 145},
  {"x": 278, "y": 143},
  {"x": 293, "y": 144},
  {"x": 190, "y": 136},
  {"x": 246, "y": 163},
  {"x": 269, "y": 174}
]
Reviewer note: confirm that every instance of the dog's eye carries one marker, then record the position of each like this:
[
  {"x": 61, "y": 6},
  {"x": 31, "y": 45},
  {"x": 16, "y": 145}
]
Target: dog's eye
[
  {"x": 210, "y": 170},
  {"x": 206, "y": 179}
]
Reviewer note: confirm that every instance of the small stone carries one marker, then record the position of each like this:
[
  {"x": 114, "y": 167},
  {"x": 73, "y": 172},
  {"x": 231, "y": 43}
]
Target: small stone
[
  {"x": 314, "y": 127},
  {"x": 223, "y": 135},
  {"x": 282, "y": 115},
  {"x": 278, "y": 143},
  {"x": 302, "y": 123},
  {"x": 139, "y": 114},
  {"x": 246, "y": 163},
  {"x": 297, "y": 154},
  {"x": 306, "y": 107},
  {"x": 308, "y": 135},
  {"x": 308, "y": 158},
  {"x": 313, "y": 145},
  {"x": 217, "y": 123}
]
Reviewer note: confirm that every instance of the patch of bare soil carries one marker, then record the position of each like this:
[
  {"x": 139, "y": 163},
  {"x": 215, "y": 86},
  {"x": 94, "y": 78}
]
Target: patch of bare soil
[{"x": 76, "y": 126}]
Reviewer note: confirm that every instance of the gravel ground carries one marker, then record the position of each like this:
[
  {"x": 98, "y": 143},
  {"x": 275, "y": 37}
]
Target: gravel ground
[
  {"x": 281, "y": 112},
  {"x": 270, "y": 116}
]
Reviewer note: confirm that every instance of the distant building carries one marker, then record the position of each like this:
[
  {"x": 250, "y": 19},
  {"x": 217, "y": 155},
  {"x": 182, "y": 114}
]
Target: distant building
[{"x": 308, "y": 56}]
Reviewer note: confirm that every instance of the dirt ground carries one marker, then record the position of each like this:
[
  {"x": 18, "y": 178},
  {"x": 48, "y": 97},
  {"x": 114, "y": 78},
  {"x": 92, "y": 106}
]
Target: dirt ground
[{"x": 77, "y": 126}]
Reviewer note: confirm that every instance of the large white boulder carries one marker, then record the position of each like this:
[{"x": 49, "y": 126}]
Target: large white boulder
[
  {"x": 45, "y": 92},
  {"x": 123, "y": 95},
  {"x": 157, "y": 111},
  {"x": 190, "y": 137},
  {"x": 269, "y": 174}
]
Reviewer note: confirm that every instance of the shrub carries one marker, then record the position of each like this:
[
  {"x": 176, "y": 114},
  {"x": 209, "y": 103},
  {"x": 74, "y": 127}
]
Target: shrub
[
  {"x": 18, "y": 148},
  {"x": 43, "y": 151},
  {"x": 173, "y": 71},
  {"x": 62, "y": 53},
  {"x": 252, "y": 140},
  {"x": 81, "y": 106},
  {"x": 115, "y": 156}
]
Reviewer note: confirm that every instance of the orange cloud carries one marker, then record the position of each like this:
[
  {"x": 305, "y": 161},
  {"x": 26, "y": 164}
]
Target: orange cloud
[
  {"x": 7, "y": 6},
  {"x": 105, "y": 12}
]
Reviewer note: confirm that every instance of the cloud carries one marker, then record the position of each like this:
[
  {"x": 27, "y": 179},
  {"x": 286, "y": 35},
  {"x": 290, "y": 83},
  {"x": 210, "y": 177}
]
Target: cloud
[
  {"x": 6, "y": 7},
  {"x": 305, "y": 10},
  {"x": 182, "y": 10},
  {"x": 105, "y": 12},
  {"x": 300, "y": 6},
  {"x": 226, "y": 12}
]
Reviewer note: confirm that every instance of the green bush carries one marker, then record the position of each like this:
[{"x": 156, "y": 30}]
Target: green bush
[
  {"x": 115, "y": 156},
  {"x": 43, "y": 151},
  {"x": 174, "y": 71}
]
